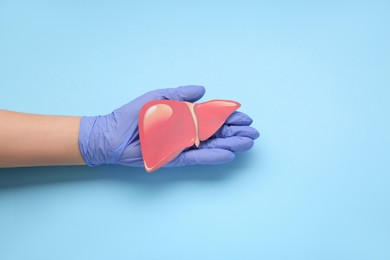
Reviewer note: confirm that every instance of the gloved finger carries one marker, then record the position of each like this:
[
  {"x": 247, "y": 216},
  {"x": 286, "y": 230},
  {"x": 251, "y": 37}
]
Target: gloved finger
[
  {"x": 234, "y": 144},
  {"x": 228, "y": 131},
  {"x": 189, "y": 93},
  {"x": 202, "y": 156},
  {"x": 239, "y": 118}
]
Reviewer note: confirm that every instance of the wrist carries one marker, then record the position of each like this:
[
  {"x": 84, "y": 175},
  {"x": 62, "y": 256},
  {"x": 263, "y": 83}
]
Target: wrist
[
  {"x": 87, "y": 140},
  {"x": 97, "y": 141}
]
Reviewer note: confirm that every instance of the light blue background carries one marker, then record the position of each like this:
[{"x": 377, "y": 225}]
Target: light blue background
[{"x": 315, "y": 78}]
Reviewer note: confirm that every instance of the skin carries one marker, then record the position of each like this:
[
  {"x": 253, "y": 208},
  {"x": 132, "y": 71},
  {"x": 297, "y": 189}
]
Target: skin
[{"x": 38, "y": 140}]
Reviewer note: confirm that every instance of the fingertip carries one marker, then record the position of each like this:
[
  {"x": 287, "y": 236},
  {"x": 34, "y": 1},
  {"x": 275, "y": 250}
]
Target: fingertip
[
  {"x": 230, "y": 156},
  {"x": 199, "y": 88},
  {"x": 192, "y": 92},
  {"x": 253, "y": 133},
  {"x": 224, "y": 156},
  {"x": 250, "y": 144},
  {"x": 243, "y": 144},
  {"x": 239, "y": 118},
  {"x": 248, "y": 119},
  {"x": 256, "y": 134}
]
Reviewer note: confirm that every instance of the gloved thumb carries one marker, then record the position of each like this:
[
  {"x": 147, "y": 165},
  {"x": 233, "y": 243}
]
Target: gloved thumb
[{"x": 190, "y": 93}]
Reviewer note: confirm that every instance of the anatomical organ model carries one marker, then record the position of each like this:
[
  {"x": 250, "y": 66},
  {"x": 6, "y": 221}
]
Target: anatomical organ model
[{"x": 167, "y": 127}]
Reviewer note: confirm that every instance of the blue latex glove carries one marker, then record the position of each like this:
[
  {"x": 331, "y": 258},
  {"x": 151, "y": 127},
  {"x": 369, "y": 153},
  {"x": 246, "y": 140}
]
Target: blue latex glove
[{"x": 114, "y": 139}]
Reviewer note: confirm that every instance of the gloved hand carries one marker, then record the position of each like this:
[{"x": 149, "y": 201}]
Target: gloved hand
[{"x": 114, "y": 139}]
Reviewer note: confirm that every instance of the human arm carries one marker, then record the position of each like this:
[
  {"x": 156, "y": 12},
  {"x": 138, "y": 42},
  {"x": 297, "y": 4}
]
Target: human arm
[{"x": 33, "y": 139}]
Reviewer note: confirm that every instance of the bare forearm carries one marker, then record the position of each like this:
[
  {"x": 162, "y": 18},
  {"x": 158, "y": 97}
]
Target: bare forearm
[{"x": 32, "y": 140}]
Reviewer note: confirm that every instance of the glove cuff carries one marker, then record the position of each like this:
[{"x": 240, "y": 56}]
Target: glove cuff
[{"x": 87, "y": 140}]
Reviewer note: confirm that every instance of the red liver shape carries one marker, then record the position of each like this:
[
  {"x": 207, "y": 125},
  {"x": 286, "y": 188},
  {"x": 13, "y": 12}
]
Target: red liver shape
[
  {"x": 167, "y": 127},
  {"x": 212, "y": 114}
]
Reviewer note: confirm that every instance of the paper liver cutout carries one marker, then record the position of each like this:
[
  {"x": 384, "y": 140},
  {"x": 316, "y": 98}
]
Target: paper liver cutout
[{"x": 167, "y": 127}]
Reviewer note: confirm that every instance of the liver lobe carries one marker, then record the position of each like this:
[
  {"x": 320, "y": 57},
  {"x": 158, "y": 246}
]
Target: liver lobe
[{"x": 167, "y": 127}]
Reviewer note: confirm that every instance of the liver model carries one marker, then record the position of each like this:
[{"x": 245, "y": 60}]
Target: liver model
[{"x": 167, "y": 127}]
